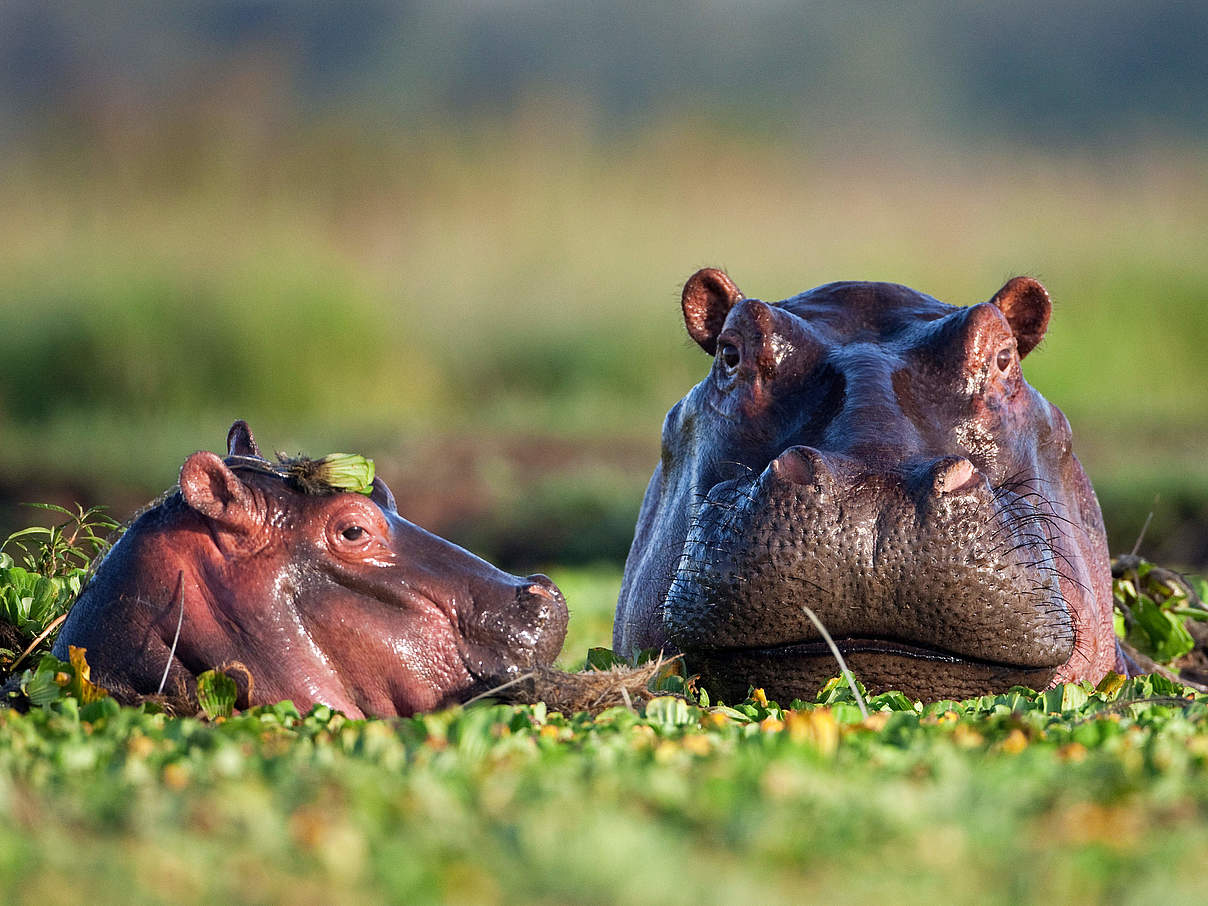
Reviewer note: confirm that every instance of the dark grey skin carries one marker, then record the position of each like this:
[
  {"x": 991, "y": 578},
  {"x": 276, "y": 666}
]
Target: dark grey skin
[{"x": 876, "y": 455}]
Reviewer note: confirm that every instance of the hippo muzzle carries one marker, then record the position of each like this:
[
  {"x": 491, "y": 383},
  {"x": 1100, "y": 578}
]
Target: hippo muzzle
[
  {"x": 528, "y": 632},
  {"x": 928, "y": 579}
]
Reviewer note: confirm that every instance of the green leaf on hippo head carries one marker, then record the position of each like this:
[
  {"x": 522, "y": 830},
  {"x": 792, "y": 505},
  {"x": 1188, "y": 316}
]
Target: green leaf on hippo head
[
  {"x": 216, "y": 694},
  {"x": 346, "y": 471}
]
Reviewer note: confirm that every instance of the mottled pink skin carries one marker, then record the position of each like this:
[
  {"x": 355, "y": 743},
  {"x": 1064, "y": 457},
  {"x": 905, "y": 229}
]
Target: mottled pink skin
[
  {"x": 331, "y": 599},
  {"x": 874, "y": 454}
]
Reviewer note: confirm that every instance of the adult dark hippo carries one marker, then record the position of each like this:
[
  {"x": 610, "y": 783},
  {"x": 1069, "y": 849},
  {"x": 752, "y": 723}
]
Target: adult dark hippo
[
  {"x": 302, "y": 591},
  {"x": 875, "y": 454}
]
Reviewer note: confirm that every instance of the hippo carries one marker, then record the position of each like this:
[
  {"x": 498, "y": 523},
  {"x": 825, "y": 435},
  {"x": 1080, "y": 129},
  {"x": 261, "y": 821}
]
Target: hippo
[
  {"x": 301, "y": 590},
  {"x": 871, "y": 454}
]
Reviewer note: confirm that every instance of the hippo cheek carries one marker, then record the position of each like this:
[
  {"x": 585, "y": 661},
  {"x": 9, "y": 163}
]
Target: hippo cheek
[
  {"x": 939, "y": 592},
  {"x": 395, "y": 657}
]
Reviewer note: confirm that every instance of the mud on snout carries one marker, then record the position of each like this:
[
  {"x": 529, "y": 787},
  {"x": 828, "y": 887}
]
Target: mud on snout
[{"x": 930, "y": 580}]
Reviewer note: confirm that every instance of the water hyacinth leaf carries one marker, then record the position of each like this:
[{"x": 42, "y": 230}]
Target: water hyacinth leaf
[
  {"x": 671, "y": 682},
  {"x": 645, "y": 656},
  {"x": 216, "y": 694},
  {"x": 102, "y": 707},
  {"x": 1201, "y": 588},
  {"x": 603, "y": 659},
  {"x": 1111, "y": 684},
  {"x": 891, "y": 701},
  {"x": 347, "y": 471},
  {"x": 41, "y": 689},
  {"x": 81, "y": 686},
  {"x": 668, "y": 711},
  {"x": 1157, "y": 633}
]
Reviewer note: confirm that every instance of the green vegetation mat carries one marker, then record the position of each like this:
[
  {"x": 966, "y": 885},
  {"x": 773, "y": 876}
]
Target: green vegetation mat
[
  {"x": 1068, "y": 796},
  {"x": 1073, "y": 795}
]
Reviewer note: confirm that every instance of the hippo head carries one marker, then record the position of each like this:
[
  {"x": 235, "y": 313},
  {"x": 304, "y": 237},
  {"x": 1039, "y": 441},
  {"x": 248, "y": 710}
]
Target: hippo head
[
  {"x": 303, "y": 591},
  {"x": 875, "y": 455}
]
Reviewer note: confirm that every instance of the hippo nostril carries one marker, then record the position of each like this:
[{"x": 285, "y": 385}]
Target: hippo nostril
[
  {"x": 801, "y": 465},
  {"x": 954, "y": 475},
  {"x": 542, "y": 586}
]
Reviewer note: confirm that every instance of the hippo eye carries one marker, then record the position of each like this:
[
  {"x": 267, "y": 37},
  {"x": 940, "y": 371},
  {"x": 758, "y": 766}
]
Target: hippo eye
[
  {"x": 353, "y": 533},
  {"x": 730, "y": 356},
  {"x": 1004, "y": 358}
]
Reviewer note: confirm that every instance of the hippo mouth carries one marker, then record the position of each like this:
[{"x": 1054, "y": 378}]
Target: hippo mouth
[
  {"x": 797, "y": 670},
  {"x": 932, "y": 583}
]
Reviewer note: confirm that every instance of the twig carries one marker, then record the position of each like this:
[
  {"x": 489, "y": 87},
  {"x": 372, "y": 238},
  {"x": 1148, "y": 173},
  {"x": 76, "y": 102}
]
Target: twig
[
  {"x": 1141, "y": 536},
  {"x": 500, "y": 688},
  {"x": 180, "y": 590},
  {"x": 38, "y": 641},
  {"x": 838, "y": 657}
]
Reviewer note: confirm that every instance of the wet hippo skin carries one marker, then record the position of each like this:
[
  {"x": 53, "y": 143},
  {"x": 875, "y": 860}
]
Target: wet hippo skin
[
  {"x": 302, "y": 592},
  {"x": 875, "y": 454}
]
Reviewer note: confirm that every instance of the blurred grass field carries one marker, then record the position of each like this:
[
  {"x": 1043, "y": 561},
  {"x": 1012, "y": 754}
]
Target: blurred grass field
[{"x": 494, "y": 317}]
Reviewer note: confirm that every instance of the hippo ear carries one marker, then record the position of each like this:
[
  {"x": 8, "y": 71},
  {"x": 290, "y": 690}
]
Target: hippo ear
[
  {"x": 382, "y": 495},
  {"x": 210, "y": 488},
  {"x": 1026, "y": 304},
  {"x": 240, "y": 441},
  {"x": 708, "y": 297}
]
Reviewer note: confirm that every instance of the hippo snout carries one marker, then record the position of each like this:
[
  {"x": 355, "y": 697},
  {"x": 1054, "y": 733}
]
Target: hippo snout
[
  {"x": 542, "y": 605},
  {"x": 521, "y": 630}
]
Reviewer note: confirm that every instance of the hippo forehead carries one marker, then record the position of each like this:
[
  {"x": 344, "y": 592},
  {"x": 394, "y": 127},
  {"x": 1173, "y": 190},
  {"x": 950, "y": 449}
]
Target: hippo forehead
[{"x": 861, "y": 311}]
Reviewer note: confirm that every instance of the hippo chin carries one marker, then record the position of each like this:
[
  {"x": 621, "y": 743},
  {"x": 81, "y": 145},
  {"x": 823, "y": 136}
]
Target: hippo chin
[
  {"x": 302, "y": 591},
  {"x": 875, "y": 455}
]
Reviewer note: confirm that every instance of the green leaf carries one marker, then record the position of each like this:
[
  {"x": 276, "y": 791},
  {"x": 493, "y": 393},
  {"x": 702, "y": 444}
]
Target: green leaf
[
  {"x": 890, "y": 701},
  {"x": 1157, "y": 633},
  {"x": 41, "y": 689},
  {"x": 81, "y": 686},
  {"x": 1201, "y": 587},
  {"x": 603, "y": 659},
  {"x": 671, "y": 682},
  {"x": 669, "y": 711},
  {"x": 216, "y": 694},
  {"x": 733, "y": 713},
  {"x": 1111, "y": 684},
  {"x": 347, "y": 471},
  {"x": 102, "y": 707},
  {"x": 645, "y": 656}
]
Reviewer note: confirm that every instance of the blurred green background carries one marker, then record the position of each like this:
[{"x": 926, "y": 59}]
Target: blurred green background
[{"x": 452, "y": 236}]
